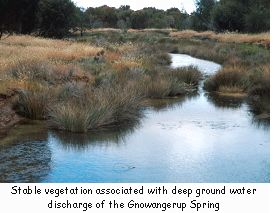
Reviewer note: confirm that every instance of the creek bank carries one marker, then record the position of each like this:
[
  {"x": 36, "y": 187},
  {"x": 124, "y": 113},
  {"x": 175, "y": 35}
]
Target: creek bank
[{"x": 8, "y": 117}]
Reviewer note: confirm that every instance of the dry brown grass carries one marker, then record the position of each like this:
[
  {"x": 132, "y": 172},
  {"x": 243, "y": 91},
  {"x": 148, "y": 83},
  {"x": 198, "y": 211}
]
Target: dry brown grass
[
  {"x": 112, "y": 56},
  {"x": 230, "y": 89},
  {"x": 167, "y": 30},
  {"x": 124, "y": 65},
  {"x": 16, "y": 49},
  {"x": 232, "y": 77},
  {"x": 104, "y": 30},
  {"x": 25, "y": 60},
  {"x": 229, "y": 37}
]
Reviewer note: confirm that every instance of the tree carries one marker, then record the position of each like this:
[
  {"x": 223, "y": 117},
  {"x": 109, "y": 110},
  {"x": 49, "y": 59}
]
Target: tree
[
  {"x": 179, "y": 17},
  {"x": 104, "y": 15},
  {"x": 229, "y": 15},
  {"x": 201, "y": 18},
  {"x": 3, "y": 9},
  {"x": 56, "y": 17},
  {"x": 139, "y": 19},
  {"x": 242, "y": 15},
  {"x": 81, "y": 20},
  {"x": 18, "y": 15},
  {"x": 258, "y": 17},
  {"x": 124, "y": 13}
]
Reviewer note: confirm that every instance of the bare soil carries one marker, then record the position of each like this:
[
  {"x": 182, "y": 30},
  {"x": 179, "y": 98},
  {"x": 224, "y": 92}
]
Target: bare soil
[{"x": 8, "y": 117}]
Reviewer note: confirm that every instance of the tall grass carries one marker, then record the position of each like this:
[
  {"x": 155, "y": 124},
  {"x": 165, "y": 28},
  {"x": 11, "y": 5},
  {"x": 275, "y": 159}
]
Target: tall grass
[
  {"x": 162, "y": 59},
  {"x": 33, "y": 103},
  {"x": 189, "y": 75},
  {"x": 71, "y": 117},
  {"x": 229, "y": 77},
  {"x": 171, "y": 82},
  {"x": 103, "y": 108},
  {"x": 236, "y": 79},
  {"x": 260, "y": 81}
]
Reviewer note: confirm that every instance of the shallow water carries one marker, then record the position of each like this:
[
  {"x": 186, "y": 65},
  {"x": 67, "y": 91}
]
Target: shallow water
[{"x": 203, "y": 138}]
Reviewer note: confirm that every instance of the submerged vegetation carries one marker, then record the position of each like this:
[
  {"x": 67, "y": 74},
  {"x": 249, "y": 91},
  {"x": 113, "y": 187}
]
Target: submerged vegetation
[{"x": 101, "y": 80}]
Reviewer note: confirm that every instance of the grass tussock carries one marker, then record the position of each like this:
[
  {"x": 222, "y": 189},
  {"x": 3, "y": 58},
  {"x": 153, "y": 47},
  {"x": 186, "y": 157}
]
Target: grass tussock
[
  {"x": 236, "y": 79},
  {"x": 171, "y": 82},
  {"x": 188, "y": 75},
  {"x": 228, "y": 77},
  {"x": 101, "y": 109},
  {"x": 162, "y": 59},
  {"x": 71, "y": 117},
  {"x": 33, "y": 103},
  {"x": 157, "y": 88},
  {"x": 260, "y": 79}
]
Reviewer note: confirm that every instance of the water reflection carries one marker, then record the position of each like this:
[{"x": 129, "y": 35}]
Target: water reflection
[
  {"x": 258, "y": 117},
  {"x": 25, "y": 162},
  {"x": 221, "y": 101},
  {"x": 25, "y": 132},
  {"x": 73, "y": 141},
  {"x": 259, "y": 105},
  {"x": 259, "y": 108},
  {"x": 206, "y": 67},
  {"x": 170, "y": 103}
]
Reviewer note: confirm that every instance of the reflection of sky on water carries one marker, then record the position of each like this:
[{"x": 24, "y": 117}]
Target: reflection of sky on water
[
  {"x": 181, "y": 60},
  {"x": 198, "y": 139}
]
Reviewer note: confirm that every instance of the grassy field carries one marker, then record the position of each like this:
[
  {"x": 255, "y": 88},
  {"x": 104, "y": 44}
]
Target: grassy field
[{"x": 101, "y": 80}]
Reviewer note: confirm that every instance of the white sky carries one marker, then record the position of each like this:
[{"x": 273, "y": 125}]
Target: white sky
[{"x": 188, "y": 5}]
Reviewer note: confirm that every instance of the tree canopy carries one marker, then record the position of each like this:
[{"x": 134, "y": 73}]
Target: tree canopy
[{"x": 55, "y": 18}]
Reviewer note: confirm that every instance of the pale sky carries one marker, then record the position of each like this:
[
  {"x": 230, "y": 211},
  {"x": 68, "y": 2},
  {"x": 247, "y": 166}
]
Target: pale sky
[{"x": 188, "y": 5}]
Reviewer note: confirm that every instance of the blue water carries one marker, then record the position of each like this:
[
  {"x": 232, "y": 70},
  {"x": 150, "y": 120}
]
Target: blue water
[{"x": 201, "y": 139}]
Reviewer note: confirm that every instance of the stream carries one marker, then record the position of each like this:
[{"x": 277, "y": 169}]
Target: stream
[{"x": 203, "y": 138}]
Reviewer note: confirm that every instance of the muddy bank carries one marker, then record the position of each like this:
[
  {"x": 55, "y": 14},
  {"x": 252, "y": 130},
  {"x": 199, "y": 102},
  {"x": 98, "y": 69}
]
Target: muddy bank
[{"x": 8, "y": 117}]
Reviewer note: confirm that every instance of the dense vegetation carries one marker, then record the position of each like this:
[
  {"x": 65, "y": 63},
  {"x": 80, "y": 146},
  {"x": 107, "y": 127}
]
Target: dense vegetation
[
  {"x": 55, "y": 18},
  {"x": 106, "y": 76},
  {"x": 232, "y": 15},
  {"x": 103, "y": 79},
  {"x": 79, "y": 87}
]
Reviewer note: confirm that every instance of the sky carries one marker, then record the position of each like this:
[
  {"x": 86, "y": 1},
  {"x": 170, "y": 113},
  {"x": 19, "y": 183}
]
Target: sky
[{"x": 188, "y": 5}]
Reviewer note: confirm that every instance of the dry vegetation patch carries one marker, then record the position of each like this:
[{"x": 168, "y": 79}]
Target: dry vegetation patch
[
  {"x": 229, "y": 37},
  {"x": 19, "y": 49}
]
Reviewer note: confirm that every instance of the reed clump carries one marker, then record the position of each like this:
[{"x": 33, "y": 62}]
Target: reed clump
[
  {"x": 33, "y": 103},
  {"x": 102, "y": 108},
  {"x": 228, "y": 77}
]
